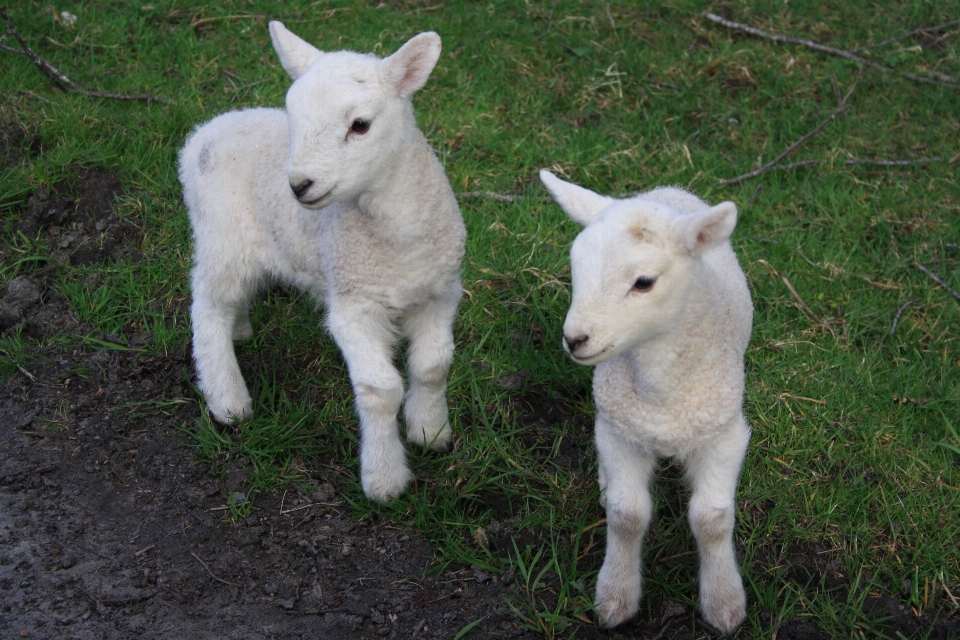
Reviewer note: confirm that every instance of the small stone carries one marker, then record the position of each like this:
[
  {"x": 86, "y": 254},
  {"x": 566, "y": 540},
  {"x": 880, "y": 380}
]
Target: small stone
[
  {"x": 270, "y": 589},
  {"x": 324, "y": 493},
  {"x": 345, "y": 550},
  {"x": 68, "y": 561},
  {"x": 22, "y": 289}
]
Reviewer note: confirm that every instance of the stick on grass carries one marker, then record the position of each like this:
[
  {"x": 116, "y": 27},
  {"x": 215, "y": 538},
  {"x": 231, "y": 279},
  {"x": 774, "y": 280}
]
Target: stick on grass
[
  {"x": 60, "y": 79},
  {"x": 938, "y": 280},
  {"x": 777, "y": 38}
]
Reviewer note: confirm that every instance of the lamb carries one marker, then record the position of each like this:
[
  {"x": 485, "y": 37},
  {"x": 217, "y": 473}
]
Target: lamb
[
  {"x": 341, "y": 196},
  {"x": 661, "y": 307}
]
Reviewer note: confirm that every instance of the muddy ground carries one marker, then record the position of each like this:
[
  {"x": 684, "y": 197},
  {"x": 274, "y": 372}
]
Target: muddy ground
[{"x": 110, "y": 528}]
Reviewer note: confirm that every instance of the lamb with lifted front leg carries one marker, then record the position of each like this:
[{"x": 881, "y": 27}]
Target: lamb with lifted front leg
[
  {"x": 340, "y": 195},
  {"x": 661, "y": 307}
]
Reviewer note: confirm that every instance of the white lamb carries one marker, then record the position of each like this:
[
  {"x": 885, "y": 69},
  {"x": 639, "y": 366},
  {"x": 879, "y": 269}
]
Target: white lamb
[
  {"x": 661, "y": 306},
  {"x": 339, "y": 195}
]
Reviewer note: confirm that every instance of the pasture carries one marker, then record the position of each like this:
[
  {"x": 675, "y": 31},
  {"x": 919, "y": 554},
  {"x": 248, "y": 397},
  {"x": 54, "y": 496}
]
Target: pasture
[{"x": 849, "y": 503}]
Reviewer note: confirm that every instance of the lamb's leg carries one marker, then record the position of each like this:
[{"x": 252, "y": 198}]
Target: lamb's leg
[
  {"x": 366, "y": 338},
  {"x": 627, "y": 473},
  {"x": 430, "y": 331},
  {"x": 218, "y": 374},
  {"x": 712, "y": 473}
]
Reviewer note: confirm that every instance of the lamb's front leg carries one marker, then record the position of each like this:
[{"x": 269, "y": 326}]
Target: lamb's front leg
[
  {"x": 429, "y": 328},
  {"x": 712, "y": 473},
  {"x": 215, "y": 323},
  {"x": 626, "y": 472},
  {"x": 366, "y": 338}
]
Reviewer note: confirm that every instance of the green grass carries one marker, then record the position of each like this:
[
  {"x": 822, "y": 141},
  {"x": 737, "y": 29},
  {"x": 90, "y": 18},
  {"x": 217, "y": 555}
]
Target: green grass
[{"x": 855, "y": 444}]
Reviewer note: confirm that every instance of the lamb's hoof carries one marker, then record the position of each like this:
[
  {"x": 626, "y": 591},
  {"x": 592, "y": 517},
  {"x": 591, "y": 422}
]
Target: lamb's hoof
[
  {"x": 230, "y": 413},
  {"x": 434, "y": 439},
  {"x": 616, "y": 604},
  {"x": 383, "y": 485},
  {"x": 725, "y": 608}
]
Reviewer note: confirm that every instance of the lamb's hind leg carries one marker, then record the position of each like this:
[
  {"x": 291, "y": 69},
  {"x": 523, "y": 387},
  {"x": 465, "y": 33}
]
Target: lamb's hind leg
[
  {"x": 626, "y": 472},
  {"x": 430, "y": 331},
  {"x": 712, "y": 473},
  {"x": 214, "y": 318},
  {"x": 366, "y": 338}
]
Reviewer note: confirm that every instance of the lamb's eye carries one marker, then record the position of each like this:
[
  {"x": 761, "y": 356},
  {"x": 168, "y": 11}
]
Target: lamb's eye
[
  {"x": 644, "y": 284},
  {"x": 360, "y": 126}
]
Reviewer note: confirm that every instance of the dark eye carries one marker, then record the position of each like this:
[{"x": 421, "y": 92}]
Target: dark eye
[
  {"x": 360, "y": 126},
  {"x": 644, "y": 284}
]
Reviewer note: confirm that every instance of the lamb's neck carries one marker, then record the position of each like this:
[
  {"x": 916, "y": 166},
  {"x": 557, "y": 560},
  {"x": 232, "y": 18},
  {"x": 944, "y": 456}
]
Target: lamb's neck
[
  {"x": 666, "y": 365},
  {"x": 412, "y": 179}
]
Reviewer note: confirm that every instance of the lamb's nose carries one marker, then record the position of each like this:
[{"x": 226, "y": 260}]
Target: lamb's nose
[
  {"x": 301, "y": 188},
  {"x": 575, "y": 343}
]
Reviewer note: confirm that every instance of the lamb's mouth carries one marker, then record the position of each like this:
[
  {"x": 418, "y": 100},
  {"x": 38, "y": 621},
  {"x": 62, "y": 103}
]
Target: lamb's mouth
[
  {"x": 594, "y": 358},
  {"x": 315, "y": 203}
]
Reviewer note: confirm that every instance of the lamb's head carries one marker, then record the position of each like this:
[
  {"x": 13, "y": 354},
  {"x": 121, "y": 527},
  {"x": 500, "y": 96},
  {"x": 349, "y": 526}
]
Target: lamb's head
[
  {"x": 633, "y": 266},
  {"x": 349, "y": 114}
]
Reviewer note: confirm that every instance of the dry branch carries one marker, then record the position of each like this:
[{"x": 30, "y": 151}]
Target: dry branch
[
  {"x": 937, "y": 279},
  {"x": 896, "y": 318},
  {"x": 803, "y": 304},
  {"x": 939, "y": 27},
  {"x": 60, "y": 79},
  {"x": 785, "y": 153},
  {"x": 220, "y": 580},
  {"x": 777, "y": 38},
  {"x": 878, "y": 163},
  {"x": 499, "y": 196}
]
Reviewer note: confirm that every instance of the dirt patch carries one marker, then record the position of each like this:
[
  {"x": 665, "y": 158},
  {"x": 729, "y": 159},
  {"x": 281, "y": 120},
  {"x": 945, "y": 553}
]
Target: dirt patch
[
  {"x": 78, "y": 222},
  {"x": 17, "y": 144}
]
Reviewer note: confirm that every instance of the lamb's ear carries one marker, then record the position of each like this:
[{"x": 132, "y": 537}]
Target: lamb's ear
[
  {"x": 582, "y": 205},
  {"x": 296, "y": 54},
  {"x": 697, "y": 232},
  {"x": 409, "y": 68}
]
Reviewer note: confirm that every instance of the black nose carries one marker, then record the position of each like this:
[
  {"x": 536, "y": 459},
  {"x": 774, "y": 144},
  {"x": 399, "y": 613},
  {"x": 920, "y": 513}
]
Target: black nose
[
  {"x": 575, "y": 343},
  {"x": 300, "y": 189}
]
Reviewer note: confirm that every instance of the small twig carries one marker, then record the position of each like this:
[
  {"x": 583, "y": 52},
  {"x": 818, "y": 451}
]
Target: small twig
[
  {"x": 194, "y": 23},
  {"x": 793, "y": 397},
  {"x": 785, "y": 153},
  {"x": 677, "y": 555},
  {"x": 777, "y": 38},
  {"x": 756, "y": 192},
  {"x": 856, "y": 161},
  {"x": 803, "y": 304},
  {"x": 149, "y": 547},
  {"x": 613, "y": 24},
  {"x": 549, "y": 21},
  {"x": 666, "y": 627},
  {"x": 221, "y": 580},
  {"x": 455, "y": 592},
  {"x": 939, "y": 27},
  {"x": 60, "y": 79},
  {"x": 896, "y": 318},
  {"x": 499, "y": 196},
  {"x": 952, "y": 597},
  {"x": 937, "y": 279}
]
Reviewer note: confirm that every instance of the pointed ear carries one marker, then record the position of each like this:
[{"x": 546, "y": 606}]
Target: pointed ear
[
  {"x": 582, "y": 205},
  {"x": 407, "y": 70},
  {"x": 296, "y": 54},
  {"x": 697, "y": 232}
]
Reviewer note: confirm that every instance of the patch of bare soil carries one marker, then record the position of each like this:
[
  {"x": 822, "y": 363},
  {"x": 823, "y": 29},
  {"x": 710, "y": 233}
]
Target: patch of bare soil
[{"x": 109, "y": 528}]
